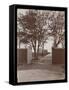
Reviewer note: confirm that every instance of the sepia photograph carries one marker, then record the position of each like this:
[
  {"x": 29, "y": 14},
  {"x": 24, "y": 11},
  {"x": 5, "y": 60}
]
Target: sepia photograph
[{"x": 40, "y": 45}]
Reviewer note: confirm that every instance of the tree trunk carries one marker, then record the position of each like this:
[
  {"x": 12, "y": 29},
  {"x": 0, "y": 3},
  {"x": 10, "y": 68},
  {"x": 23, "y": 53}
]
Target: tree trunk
[
  {"x": 35, "y": 54},
  {"x": 56, "y": 44},
  {"x": 35, "y": 51},
  {"x": 43, "y": 49},
  {"x": 38, "y": 51}
]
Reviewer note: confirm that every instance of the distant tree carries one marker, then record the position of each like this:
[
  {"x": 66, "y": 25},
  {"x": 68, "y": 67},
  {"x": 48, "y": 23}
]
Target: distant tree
[{"x": 57, "y": 26}]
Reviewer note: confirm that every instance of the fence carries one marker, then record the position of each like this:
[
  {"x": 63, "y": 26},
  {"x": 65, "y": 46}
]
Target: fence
[
  {"x": 24, "y": 56},
  {"x": 58, "y": 56}
]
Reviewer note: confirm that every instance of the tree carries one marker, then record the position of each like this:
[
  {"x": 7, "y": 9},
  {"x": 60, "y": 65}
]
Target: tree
[
  {"x": 32, "y": 24},
  {"x": 57, "y": 28}
]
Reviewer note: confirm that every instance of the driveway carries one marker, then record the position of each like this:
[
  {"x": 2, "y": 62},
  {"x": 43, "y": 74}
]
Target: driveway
[{"x": 40, "y": 72}]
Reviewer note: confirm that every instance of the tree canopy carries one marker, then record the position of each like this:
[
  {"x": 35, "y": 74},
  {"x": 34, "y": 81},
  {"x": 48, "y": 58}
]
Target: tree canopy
[{"x": 37, "y": 25}]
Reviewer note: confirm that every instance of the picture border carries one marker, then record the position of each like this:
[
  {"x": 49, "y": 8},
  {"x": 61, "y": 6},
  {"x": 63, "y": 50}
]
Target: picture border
[{"x": 15, "y": 41}]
